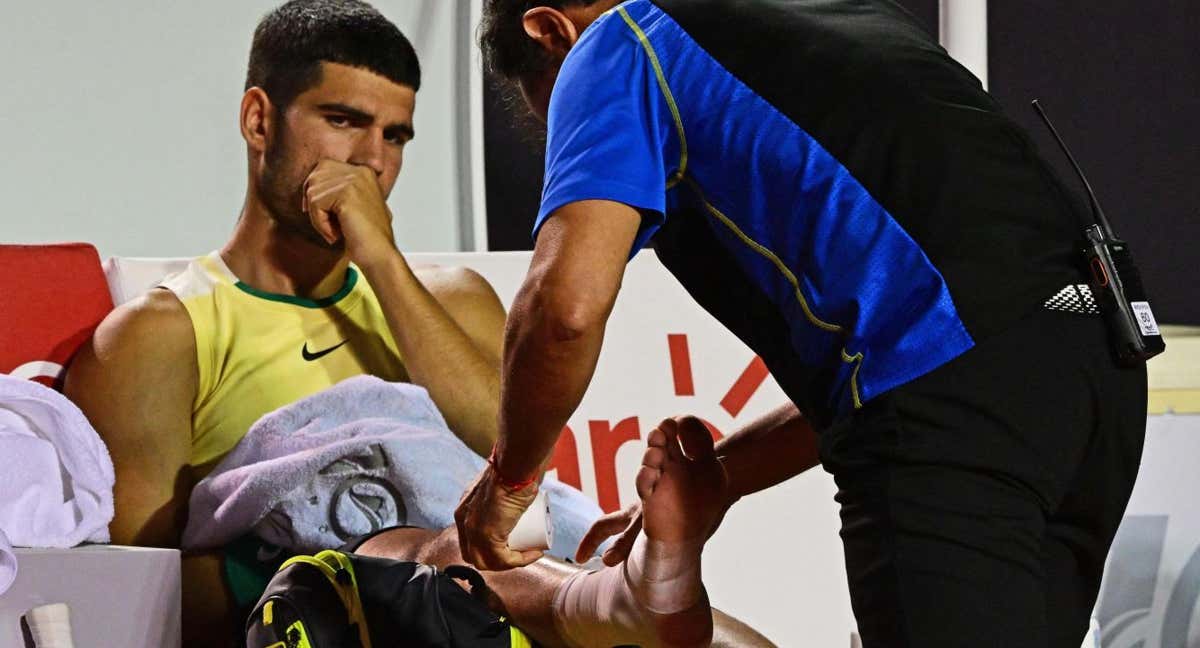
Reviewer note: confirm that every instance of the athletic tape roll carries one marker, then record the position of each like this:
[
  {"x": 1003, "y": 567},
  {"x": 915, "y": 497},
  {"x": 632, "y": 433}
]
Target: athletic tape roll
[
  {"x": 50, "y": 626},
  {"x": 533, "y": 530}
]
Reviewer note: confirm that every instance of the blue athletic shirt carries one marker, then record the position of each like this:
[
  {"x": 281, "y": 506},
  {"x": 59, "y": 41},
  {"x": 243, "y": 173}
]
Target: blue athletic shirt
[{"x": 765, "y": 223}]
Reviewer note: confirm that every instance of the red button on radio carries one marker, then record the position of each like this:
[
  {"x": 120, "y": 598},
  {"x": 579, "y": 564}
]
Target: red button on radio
[{"x": 1099, "y": 272}]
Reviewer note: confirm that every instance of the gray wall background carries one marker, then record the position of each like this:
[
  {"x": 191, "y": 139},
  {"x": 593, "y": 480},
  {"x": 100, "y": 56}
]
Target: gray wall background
[{"x": 118, "y": 124}]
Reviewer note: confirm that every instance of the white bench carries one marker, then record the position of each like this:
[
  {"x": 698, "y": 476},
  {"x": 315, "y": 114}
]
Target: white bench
[{"x": 119, "y": 597}]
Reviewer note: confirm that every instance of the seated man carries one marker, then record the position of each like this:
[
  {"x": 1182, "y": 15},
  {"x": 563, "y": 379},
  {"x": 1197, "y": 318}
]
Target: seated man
[
  {"x": 173, "y": 380},
  {"x": 309, "y": 290}
]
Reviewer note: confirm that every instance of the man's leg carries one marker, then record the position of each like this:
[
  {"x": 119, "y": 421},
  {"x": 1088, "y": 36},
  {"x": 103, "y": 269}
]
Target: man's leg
[
  {"x": 728, "y": 632},
  {"x": 949, "y": 487},
  {"x": 682, "y": 487},
  {"x": 526, "y": 595},
  {"x": 1080, "y": 532},
  {"x": 655, "y": 599},
  {"x": 941, "y": 558}
]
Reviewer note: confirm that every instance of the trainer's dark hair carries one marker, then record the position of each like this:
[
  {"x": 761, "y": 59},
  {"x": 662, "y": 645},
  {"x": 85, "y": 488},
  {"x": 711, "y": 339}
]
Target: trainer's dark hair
[
  {"x": 291, "y": 42},
  {"x": 507, "y": 51}
]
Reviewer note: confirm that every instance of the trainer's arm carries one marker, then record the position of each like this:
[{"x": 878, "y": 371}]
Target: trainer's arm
[
  {"x": 769, "y": 450},
  {"x": 556, "y": 327}
]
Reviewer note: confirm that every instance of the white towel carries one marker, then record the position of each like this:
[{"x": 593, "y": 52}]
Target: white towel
[
  {"x": 56, "y": 478},
  {"x": 8, "y": 564},
  {"x": 360, "y": 456}
]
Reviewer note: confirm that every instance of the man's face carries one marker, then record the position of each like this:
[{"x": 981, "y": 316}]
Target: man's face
[{"x": 352, "y": 115}]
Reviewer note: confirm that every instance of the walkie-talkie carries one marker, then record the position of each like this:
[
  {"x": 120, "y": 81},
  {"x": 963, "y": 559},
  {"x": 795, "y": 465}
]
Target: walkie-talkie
[{"x": 1114, "y": 279}]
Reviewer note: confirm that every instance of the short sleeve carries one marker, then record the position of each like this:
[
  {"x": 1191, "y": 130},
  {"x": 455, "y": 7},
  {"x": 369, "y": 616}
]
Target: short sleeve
[{"x": 606, "y": 131}]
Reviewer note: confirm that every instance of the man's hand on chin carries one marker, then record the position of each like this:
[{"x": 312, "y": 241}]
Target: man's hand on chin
[{"x": 345, "y": 203}]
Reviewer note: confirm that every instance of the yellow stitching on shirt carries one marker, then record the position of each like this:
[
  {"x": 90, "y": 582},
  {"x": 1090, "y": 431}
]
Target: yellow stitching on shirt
[
  {"x": 791, "y": 277},
  {"x": 666, "y": 90},
  {"x": 679, "y": 175},
  {"x": 770, "y": 256},
  {"x": 857, "y": 357}
]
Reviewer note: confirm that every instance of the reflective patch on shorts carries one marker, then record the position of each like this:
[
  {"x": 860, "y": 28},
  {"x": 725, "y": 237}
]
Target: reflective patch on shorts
[
  {"x": 297, "y": 636},
  {"x": 1076, "y": 299}
]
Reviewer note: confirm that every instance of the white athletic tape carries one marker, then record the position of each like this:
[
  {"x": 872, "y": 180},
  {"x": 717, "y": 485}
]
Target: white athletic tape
[
  {"x": 665, "y": 577},
  {"x": 598, "y": 609}
]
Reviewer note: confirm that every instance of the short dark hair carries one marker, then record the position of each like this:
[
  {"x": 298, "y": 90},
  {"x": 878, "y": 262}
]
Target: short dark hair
[
  {"x": 291, "y": 42},
  {"x": 507, "y": 51}
]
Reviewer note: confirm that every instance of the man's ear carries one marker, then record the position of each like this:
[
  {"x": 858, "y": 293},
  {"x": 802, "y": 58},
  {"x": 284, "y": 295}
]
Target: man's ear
[
  {"x": 550, "y": 29},
  {"x": 256, "y": 118}
]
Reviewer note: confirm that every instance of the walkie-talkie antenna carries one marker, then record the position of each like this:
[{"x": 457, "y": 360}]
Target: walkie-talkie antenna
[{"x": 1101, "y": 220}]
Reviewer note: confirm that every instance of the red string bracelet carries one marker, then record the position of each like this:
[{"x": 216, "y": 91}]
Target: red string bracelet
[{"x": 514, "y": 486}]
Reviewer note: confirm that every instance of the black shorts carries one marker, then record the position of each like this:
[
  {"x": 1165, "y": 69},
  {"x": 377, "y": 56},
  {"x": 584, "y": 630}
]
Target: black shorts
[
  {"x": 249, "y": 563},
  {"x": 978, "y": 502}
]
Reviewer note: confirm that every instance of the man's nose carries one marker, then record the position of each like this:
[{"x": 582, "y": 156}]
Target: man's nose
[{"x": 369, "y": 150}]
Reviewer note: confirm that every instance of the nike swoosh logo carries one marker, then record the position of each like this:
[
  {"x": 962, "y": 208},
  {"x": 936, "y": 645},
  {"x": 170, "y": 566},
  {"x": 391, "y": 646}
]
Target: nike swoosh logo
[{"x": 313, "y": 355}]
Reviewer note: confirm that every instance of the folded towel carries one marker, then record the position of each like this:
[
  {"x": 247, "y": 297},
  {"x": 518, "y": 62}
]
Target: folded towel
[
  {"x": 8, "y": 564},
  {"x": 360, "y": 456},
  {"x": 56, "y": 478}
]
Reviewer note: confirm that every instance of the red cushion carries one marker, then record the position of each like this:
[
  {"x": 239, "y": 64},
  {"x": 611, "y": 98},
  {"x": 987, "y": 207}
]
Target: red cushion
[{"x": 51, "y": 299}]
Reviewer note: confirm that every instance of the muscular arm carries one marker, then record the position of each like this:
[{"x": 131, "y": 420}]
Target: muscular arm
[
  {"x": 448, "y": 324},
  {"x": 136, "y": 381},
  {"x": 769, "y": 450},
  {"x": 556, "y": 327}
]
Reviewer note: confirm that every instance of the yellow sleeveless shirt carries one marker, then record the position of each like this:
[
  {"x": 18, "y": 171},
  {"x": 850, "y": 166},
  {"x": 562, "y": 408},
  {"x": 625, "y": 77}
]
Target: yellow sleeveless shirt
[{"x": 259, "y": 351}]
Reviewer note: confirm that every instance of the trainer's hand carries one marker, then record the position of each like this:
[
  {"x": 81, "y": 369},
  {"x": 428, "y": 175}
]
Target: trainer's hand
[
  {"x": 486, "y": 516},
  {"x": 345, "y": 203},
  {"x": 628, "y": 523}
]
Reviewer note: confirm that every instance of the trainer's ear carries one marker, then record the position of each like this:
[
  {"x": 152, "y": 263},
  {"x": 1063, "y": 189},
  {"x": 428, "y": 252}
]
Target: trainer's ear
[
  {"x": 256, "y": 119},
  {"x": 551, "y": 29}
]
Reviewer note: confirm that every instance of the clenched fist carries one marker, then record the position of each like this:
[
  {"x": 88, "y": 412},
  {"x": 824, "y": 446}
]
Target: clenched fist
[{"x": 345, "y": 203}]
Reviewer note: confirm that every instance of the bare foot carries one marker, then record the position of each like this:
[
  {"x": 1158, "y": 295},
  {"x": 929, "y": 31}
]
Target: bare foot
[
  {"x": 683, "y": 490},
  {"x": 682, "y": 484}
]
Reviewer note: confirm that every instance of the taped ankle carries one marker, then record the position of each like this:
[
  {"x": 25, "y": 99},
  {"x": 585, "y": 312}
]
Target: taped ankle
[{"x": 665, "y": 577}]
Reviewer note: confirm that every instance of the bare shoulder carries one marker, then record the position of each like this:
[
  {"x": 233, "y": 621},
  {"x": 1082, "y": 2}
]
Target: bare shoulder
[
  {"x": 471, "y": 301},
  {"x": 147, "y": 342},
  {"x": 457, "y": 285},
  {"x": 136, "y": 380},
  {"x": 156, "y": 321}
]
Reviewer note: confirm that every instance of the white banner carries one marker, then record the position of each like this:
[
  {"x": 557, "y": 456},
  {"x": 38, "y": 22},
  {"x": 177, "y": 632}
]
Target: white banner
[{"x": 1152, "y": 583}]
